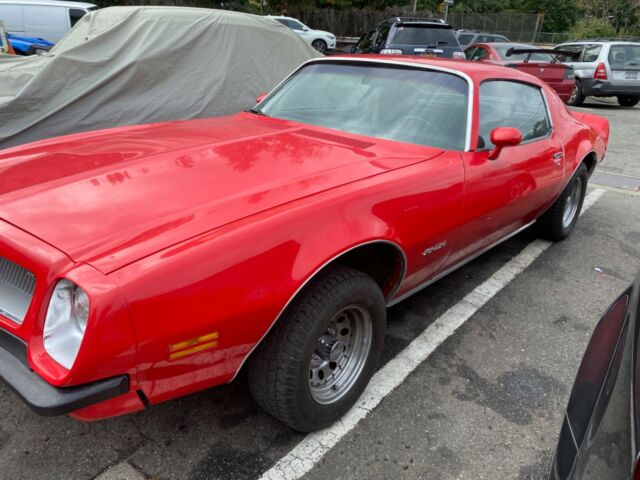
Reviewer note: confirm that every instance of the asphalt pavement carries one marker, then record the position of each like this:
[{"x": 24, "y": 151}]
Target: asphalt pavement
[{"x": 486, "y": 403}]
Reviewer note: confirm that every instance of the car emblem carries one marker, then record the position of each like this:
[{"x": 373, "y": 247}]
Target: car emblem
[{"x": 434, "y": 248}]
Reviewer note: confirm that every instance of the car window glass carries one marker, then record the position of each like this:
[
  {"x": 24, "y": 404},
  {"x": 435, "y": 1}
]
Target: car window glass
[
  {"x": 591, "y": 53},
  {"x": 624, "y": 55},
  {"x": 500, "y": 39},
  {"x": 294, "y": 24},
  {"x": 381, "y": 38},
  {"x": 479, "y": 54},
  {"x": 485, "y": 38},
  {"x": 75, "y": 14},
  {"x": 282, "y": 21},
  {"x": 421, "y": 35},
  {"x": 512, "y": 104},
  {"x": 366, "y": 42},
  {"x": 569, "y": 48},
  {"x": 468, "y": 53},
  {"x": 465, "y": 38},
  {"x": 409, "y": 105}
]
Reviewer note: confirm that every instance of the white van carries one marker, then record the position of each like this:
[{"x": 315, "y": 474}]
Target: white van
[{"x": 48, "y": 19}]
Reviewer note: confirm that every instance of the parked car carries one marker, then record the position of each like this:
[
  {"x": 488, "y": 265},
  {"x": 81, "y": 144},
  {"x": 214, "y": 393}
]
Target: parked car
[
  {"x": 29, "y": 45},
  {"x": 600, "y": 436},
  {"x": 45, "y": 19},
  {"x": 318, "y": 39},
  {"x": 605, "y": 68},
  {"x": 411, "y": 36},
  {"x": 538, "y": 62},
  {"x": 148, "y": 83},
  {"x": 156, "y": 260},
  {"x": 466, "y": 38}
]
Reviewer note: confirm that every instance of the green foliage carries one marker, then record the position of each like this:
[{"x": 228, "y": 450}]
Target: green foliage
[
  {"x": 559, "y": 16},
  {"x": 593, "y": 28}
]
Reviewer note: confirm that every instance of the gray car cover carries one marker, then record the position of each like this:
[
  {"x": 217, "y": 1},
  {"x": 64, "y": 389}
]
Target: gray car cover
[{"x": 132, "y": 65}]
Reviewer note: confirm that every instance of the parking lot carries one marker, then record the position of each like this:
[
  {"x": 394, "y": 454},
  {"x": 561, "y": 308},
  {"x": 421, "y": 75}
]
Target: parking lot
[{"x": 501, "y": 341}]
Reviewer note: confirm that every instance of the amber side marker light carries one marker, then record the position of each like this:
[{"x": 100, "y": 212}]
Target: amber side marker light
[{"x": 193, "y": 345}]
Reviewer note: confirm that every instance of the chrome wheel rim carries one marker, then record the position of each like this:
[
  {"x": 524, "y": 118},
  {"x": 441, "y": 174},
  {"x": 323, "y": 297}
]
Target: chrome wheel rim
[
  {"x": 571, "y": 203},
  {"x": 340, "y": 354},
  {"x": 574, "y": 94},
  {"x": 319, "y": 45}
]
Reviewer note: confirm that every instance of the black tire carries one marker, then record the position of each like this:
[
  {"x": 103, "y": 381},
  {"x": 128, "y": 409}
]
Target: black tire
[
  {"x": 320, "y": 45},
  {"x": 577, "y": 97},
  {"x": 556, "y": 223},
  {"x": 628, "y": 100},
  {"x": 279, "y": 370}
]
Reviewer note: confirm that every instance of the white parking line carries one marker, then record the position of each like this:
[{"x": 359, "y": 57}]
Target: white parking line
[{"x": 310, "y": 451}]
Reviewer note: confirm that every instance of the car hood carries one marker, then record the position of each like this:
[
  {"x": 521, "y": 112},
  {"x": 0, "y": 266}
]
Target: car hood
[
  {"x": 322, "y": 32},
  {"x": 114, "y": 196}
]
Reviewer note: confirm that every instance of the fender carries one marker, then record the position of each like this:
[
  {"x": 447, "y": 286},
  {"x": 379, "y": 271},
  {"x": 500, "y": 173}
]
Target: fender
[{"x": 232, "y": 284}]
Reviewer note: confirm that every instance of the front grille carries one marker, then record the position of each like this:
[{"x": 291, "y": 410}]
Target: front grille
[{"x": 16, "y": 290}]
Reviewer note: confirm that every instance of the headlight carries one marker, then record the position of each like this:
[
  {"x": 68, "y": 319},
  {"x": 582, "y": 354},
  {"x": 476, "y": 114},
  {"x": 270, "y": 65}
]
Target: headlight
[{"x": 66, "y": 322}]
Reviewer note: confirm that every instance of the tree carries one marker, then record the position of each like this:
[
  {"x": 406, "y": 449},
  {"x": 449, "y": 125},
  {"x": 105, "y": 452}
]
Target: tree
[
  {"x": 593, "y": 28},
  {"x": 559, "y": 16}
]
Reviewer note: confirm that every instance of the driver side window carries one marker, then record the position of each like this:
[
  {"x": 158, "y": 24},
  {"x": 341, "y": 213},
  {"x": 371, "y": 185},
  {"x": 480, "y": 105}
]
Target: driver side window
[{"x": 512, "y": 104}]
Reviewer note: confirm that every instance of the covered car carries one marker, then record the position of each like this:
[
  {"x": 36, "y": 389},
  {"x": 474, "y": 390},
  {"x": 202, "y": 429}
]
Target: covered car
[{"x": 130, "y": 65}]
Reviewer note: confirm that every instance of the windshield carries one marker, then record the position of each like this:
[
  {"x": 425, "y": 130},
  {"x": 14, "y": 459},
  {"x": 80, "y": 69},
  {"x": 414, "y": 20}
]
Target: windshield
[
  {"x": 536, "y": 57},
  {"x": 411, "y": 105},
  {"x": 423, "y": 35}
]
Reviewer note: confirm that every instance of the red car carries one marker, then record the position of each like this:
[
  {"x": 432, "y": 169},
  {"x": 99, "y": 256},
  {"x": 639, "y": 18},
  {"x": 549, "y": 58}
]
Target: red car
[
  {"x": 538, "y": 62},
  {"x": 142, "y": 263}
]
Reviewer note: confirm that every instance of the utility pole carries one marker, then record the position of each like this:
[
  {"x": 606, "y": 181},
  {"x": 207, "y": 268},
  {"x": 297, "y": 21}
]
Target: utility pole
[{"x": 415, "y": 6}]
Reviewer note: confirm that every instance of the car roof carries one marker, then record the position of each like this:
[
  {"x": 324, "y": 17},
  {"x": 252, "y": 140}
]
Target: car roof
[
  {"x": 55, "y": 3},
  {"x": 477, "y": 71}
]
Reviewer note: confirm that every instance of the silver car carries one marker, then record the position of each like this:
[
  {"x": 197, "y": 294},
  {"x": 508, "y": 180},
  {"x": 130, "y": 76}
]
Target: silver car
[{"x": 604, "y": 69}]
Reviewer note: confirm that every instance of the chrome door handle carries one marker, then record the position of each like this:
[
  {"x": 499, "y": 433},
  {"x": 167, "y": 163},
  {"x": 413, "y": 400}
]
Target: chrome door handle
[{"x": 557, "y": 155}]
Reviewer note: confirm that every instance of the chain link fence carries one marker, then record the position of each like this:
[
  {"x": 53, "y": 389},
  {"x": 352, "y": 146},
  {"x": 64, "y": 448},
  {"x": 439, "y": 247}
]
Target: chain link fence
[{"x": 518, "y": 27}]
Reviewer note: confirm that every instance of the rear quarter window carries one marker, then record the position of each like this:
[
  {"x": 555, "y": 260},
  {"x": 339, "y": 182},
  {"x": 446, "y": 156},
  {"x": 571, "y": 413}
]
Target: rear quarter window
[{"x": 419, "y": 35}]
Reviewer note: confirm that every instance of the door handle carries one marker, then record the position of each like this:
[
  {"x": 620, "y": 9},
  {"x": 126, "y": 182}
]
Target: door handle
[
  {"x": 557, "y": 158},
  {"x": 557, "y": 155}
]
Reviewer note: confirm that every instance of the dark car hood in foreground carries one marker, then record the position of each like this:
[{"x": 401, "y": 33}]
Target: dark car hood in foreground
[{"x": 111, "y": 197}]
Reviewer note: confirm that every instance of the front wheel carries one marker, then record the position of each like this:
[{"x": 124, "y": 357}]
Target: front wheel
[
  {"x": 319, "y": 45},
  {"x": 558, "y": 222},
  {"x": 314, "y": 364},
  {"x": 628, "y": 100}
]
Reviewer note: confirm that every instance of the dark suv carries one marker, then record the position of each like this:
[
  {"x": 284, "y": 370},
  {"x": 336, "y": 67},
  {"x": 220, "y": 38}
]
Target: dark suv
[{"x": 411, "y": 36}]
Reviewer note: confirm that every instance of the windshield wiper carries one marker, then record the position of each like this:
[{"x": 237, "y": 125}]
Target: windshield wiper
[{"x": 258, "y": 112}]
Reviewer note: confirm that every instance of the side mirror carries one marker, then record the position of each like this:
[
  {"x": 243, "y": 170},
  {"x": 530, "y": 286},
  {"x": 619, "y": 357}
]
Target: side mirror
[
  {"x": 260, "y": 97},
  {"x": 305, "y": 29},
  {"x": 504, "y": 137}
]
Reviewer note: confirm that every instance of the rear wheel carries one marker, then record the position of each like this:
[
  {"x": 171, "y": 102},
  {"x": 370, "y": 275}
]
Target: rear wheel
[
  {"x": 558, "y": 222},
  {"x": 628, "y": 100},
  {"x": 577, "y": 97},
  {"x": 314, "y": 364},
  {"x": 319, "y": 45}
]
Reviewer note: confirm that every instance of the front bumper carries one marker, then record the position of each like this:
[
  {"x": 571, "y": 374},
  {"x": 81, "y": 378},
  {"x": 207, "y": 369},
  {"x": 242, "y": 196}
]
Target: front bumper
[
  {"x": 599, "y": 88},
  {"x": 42, "y": 397}
]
